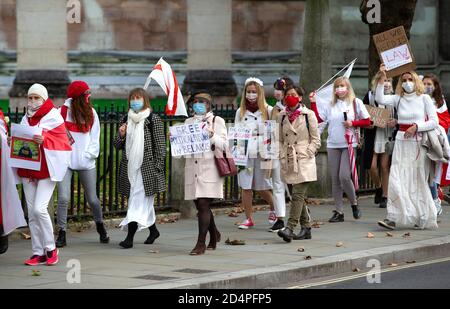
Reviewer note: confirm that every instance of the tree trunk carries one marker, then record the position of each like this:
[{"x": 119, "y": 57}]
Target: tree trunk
[
  {"x": 393, "y": 14},
  {"x": 316, "y": 60}
]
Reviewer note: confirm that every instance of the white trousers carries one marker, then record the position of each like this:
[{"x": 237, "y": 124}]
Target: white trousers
[
  {"x": 38, "y": 194},
  {"x": 278, "y": 197}
]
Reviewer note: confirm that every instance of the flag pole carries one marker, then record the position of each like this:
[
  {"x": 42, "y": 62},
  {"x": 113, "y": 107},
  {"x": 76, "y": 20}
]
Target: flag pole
[{"x": 326, "y": 83}]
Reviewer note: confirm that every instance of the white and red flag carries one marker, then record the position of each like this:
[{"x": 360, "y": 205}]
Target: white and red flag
[
  {"x": 56, "y": 143},
  {"x": 349, "y": 137},
  {"x": 163, "y": 74}
]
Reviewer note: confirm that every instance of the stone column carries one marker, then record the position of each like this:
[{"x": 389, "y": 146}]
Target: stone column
[
  {"x": 209, "y": 49},
  {"x": 316, "y": 59},
  {"x": 41, "y": 49}
]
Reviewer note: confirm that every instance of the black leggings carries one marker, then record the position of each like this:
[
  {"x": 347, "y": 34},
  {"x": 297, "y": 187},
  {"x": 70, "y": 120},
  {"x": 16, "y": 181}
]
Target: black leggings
[{"x": 205, "y": 219}]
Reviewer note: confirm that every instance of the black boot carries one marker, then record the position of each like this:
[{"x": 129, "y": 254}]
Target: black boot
[
  {"x": 286, "y": 234},
  {"x": 383, "y": 203},
  {"x": 154, "y": 233},
  {"x": 3, "y": 244},
  {"x": 104, "y": 239},
  {"x": 305, "y": 233},
  {"x": 356, "y": 212},
  {"x": 61, "y": 240},
  {"x": 128, "y": 241},
  {"x": 337, "y": 217},
  {"x": 378, "y": 195}
]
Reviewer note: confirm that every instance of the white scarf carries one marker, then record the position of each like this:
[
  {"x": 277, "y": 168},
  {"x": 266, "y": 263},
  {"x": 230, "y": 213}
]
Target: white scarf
[{"x": 135, "y": 142}]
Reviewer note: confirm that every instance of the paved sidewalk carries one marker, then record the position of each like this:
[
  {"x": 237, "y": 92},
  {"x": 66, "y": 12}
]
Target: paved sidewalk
[{"x": 265, "y": 257}]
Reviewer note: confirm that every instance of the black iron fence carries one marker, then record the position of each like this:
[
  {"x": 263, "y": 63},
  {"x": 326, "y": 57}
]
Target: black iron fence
[{"x": 109, "y": 160}]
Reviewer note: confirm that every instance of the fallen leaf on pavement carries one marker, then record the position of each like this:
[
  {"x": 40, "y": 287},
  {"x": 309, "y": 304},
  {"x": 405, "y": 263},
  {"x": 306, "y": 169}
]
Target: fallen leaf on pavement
[
  {"x": 35, "y": 273},
  {"x": 370, "y": 235},
  {"x": 25, "y": 236},
  {"x": 301, "y": 249},
  {"x": 393, "y": 264},
  {"x": 407, "y": 235},
  {"x": 233, "y": 215},
  {"x": 339, "y": 244},
  {"x": 410, "y": 262},
  {"x": 234, "y": 242},
  {"x": 356, "y": 269},
  {"x": 153, "y": 251},
  {"x": 388, "y": 234},
  {"x": 237, "y": 223},
  {"x": 308, "y": 257}
]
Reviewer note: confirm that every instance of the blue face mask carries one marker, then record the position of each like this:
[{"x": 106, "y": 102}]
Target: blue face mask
[
  {"x": 429, "y": 90},
  {"x": 199, "y": 108},
  {"x": 136, "y": 105}
]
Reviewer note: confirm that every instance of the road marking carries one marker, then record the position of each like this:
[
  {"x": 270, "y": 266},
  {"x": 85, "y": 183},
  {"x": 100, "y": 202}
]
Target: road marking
[{"x": 394, "y": 268}]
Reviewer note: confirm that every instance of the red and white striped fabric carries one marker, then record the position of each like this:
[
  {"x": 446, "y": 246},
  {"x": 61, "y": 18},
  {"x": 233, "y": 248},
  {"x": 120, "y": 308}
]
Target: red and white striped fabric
[
  {"x": 56, "y": 143},
  {"x": 162, "y": 73},
  {"x": 349, "y": 134},
  {"x": 11, "y": 213}
]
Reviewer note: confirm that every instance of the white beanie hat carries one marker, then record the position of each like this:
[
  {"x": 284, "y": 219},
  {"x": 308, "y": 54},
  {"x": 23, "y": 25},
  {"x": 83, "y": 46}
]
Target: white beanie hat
[{"x": 39, "y": 90}]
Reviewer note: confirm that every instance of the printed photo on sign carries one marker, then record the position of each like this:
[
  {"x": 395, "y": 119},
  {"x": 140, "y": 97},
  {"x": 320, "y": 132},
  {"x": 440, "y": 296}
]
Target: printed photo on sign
[
  {"x": 269, "y": 145},
  {"x": 25, "y": 152},
  {"x": 240, "y": 152},
  {"x": 189, "y": 139},
  {"x": 25, "y": 149}
]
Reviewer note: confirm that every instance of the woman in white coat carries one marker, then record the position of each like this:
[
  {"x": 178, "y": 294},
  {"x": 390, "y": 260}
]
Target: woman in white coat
[
  {"x": 410, "y": 203},
  {"x": 252, "y": 112},
  {"x": 202, "y": 180}
]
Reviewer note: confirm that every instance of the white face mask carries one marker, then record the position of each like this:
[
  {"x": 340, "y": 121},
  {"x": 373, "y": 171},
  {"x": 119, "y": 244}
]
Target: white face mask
[
  {"x": 408, "y": 87},
  {"x": 33, "y": 106},
  {"x": 251, "y": 96}
]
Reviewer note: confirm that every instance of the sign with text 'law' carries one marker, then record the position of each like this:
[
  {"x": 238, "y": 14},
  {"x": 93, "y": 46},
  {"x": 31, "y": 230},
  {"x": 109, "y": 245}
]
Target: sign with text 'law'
[
  {"x": 189, "y": 139},
  {"x": 395, "y": 51}
]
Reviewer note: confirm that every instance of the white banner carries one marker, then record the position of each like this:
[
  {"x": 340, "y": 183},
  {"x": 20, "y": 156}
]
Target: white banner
[
  {"x": 25, "y": 153},
  {"x": 189, "y": 139}
]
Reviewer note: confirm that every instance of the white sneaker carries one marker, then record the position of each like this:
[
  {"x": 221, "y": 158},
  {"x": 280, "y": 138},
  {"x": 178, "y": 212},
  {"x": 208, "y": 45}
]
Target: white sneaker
[
  {"x": 437, "y": 203},
  {"x": 272, "y": 217}
]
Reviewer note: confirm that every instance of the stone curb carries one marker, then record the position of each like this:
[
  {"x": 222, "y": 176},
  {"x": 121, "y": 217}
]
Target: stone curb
[{"x": 260, "y": 278}]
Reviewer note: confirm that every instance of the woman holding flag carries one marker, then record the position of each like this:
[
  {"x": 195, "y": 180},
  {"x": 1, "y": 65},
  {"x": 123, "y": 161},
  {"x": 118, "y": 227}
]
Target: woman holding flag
[
  {"x": 343, "y": 115},
  {"x": 11, "y": 214},
  {"x": 142, "y": 168},
  {"x": 410, "y": 203},
  {"x": 39, "y": 185}
]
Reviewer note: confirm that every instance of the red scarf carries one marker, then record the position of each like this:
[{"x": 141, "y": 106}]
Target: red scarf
[
  {"x": 252, "y": 107},
  {"x": 293, "y": 115}
]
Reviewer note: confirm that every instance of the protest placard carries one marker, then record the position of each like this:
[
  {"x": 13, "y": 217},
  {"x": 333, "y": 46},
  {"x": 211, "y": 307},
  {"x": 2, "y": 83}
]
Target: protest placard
[
  {"x": 395, "y": 51},
  {"x": 239, "y": 135},
  {"x": 270, "y": 145},
  {"x": 25, "y": 153},
  {"x": 379, "y": 116},
  {"x": 189, "y": 139}
]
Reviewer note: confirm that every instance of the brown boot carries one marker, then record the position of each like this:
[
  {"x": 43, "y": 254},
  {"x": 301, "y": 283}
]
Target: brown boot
[{"x": 199, "y": 249}]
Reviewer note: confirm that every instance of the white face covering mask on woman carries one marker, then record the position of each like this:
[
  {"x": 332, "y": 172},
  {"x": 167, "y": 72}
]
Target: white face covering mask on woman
[
  {"x": 33, "y": 107},
  {"x": 408, "y": 87}
]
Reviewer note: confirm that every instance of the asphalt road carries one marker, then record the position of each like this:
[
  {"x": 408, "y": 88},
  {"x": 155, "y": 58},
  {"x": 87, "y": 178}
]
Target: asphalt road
[{"x": 434, "y": 274}]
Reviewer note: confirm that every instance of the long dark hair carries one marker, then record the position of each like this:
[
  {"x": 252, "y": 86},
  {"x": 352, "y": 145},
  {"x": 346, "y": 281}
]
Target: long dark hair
[
  {"x": 82, "y": 112},
  {"x": 437, "y": 93}
]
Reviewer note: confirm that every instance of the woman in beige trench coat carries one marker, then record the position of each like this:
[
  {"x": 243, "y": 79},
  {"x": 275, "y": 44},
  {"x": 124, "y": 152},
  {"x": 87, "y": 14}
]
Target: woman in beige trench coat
[
  {"x": 202, "y": 180},
  {"x": 300, "y": 140}
]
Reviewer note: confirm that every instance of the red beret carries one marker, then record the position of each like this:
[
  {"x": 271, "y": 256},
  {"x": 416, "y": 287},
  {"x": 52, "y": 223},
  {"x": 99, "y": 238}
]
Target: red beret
[{"x": 76, "y": 89}]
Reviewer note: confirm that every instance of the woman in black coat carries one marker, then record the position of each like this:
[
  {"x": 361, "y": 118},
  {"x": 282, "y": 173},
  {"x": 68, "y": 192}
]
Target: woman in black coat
[{"x": 141, "y": 136}]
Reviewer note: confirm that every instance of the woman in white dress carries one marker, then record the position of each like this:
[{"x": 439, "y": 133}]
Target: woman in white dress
[
  {"x": 141, "y": 135},
  {"x": 252, "y": 113},
  {"x": 410, "y": 203}
]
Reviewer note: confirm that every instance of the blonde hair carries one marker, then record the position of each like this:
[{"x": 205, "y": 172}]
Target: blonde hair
[
  {"x": 419, "y": 86},
  {"x": 262, "y": 104},
  {"x": 350, "y": 97},
  {"x": 376, "y": 80}
]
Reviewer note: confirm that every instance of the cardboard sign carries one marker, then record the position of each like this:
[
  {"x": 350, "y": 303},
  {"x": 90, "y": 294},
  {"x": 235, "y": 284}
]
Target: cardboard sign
[
  {"x": 189, "y": 139},
  {"x": 395, "y": 51},
  {"x": 25, "y": 153},
  {"x": 379, "y": 116}
]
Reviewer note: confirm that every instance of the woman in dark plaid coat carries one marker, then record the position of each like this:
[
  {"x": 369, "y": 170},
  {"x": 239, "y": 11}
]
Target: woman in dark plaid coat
[{"x": 141, "y": 136}]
